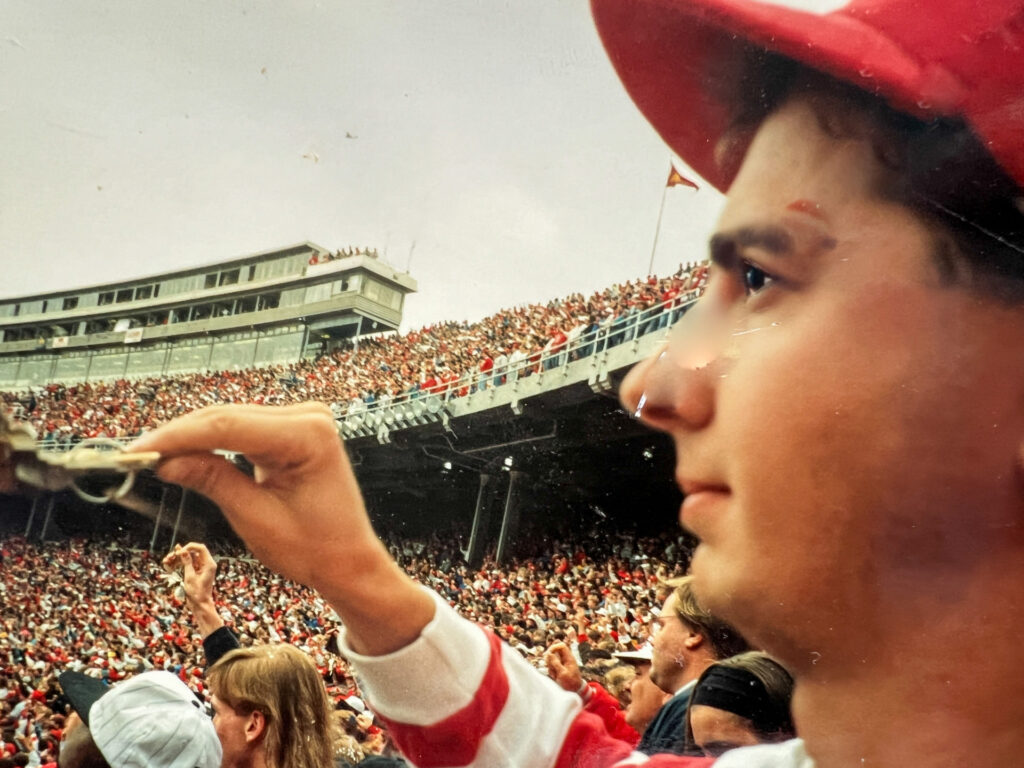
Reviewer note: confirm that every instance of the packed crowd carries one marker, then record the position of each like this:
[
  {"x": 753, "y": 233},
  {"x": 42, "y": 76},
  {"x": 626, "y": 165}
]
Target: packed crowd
[
  {"x": 111, "y": 611},
  {"x": 850, "y": 144},
  {"x": 450, "y": 358}
]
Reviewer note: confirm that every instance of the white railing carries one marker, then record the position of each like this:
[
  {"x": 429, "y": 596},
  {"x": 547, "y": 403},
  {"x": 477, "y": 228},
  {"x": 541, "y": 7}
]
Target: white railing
[
  {"x": 615, "y": 333},
  {"x": 425, "y": 404}
]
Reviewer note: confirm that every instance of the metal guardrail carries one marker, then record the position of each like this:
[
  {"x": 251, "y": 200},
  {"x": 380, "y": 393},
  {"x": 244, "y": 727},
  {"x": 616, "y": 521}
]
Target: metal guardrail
[
  {"x": 436, "y": 403},
  {"x": 423, "y": 406}
]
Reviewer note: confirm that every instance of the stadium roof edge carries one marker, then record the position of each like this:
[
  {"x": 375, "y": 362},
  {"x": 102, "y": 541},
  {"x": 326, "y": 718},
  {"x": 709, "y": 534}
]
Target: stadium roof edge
[{"x": 305, "y": 245}]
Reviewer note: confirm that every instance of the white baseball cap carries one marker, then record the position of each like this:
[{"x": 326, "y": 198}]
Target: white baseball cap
[
  {"x": 643, "y": 654},
  {"x": 151, "y": 720}
]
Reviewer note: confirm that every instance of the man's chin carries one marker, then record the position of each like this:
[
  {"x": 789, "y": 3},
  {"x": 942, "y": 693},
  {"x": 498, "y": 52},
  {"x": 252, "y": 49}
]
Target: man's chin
[
  {"x": 712, "y": 584},
  {"x": 703, "y": 571}
]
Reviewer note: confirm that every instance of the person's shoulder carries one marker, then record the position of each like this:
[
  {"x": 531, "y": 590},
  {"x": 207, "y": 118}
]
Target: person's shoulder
[{"x": 788, "y": 754}]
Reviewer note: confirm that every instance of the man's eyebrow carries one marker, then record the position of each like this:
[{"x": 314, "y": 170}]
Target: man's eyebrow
[{"x": 724, "y": 246}]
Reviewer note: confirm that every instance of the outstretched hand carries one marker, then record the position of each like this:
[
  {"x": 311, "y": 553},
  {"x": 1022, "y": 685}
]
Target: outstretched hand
[
  {"x": 302, "y": 505},
  {"x": 301, "y": 514}
]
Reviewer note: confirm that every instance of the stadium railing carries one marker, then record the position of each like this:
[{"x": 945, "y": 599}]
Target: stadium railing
[
  {"x": 507, "y": 385},
  {"x": 438, "y": 403}
]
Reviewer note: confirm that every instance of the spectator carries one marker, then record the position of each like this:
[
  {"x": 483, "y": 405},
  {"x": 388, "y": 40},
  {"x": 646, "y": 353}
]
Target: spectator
[
  {"x": 645, "y": 699},
  {"x": 270, "y": 709},
  {"x": 740, "y": 701},
  {"x": 563, "y": 670},
  {"x": 687, "y": 640},
  {"x": 270, "y": 706},
  {"x": 150, "y": 721}
]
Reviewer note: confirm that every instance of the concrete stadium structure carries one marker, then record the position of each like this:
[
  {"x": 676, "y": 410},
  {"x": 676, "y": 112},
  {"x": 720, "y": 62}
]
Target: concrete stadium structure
[
  {"x": 271, "y": 307},
  {"x": 506, "y": 460}
]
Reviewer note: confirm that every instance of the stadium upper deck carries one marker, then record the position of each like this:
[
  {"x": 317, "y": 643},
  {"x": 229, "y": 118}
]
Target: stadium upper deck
[{"x": 265, "y": 308}]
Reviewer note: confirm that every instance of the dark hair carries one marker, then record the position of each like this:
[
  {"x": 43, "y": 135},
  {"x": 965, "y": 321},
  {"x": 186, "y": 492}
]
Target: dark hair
[
  {"x": 751, "y": 685},
  {"x": 942, "y": 171}
]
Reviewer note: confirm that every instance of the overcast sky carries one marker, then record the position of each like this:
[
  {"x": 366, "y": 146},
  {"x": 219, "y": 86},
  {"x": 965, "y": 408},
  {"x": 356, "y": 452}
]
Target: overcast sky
[{"x": 491, "y": 143}]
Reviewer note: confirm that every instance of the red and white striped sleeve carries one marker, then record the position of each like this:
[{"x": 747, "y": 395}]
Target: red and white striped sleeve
[{"x": 459, "y": 697}]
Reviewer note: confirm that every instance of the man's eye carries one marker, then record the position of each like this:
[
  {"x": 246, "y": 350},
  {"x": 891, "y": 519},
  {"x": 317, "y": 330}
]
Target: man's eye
[{"x": 754, "y": 278}]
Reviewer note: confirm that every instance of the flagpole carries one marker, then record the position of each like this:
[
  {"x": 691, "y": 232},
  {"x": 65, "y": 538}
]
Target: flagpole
[{"x": 657, "y": 229}]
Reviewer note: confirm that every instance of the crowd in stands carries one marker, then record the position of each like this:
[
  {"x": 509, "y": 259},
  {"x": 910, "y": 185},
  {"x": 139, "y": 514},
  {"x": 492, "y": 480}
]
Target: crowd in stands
[
  {"x": 343, "y": 253},
  {"x": 109, "y": 610},
  {"x": 450, "y": 358}
]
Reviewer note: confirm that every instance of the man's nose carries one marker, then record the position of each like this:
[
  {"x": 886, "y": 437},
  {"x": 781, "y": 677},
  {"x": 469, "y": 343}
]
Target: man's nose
[{"x": 674, "y": 388}]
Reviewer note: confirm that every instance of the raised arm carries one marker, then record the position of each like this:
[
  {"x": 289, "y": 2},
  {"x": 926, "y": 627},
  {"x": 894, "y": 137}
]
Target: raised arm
[
  {"x": 563, "y": 669},
  {"x": 198, "y": 569},
  {"x": 302, "y": 514}
]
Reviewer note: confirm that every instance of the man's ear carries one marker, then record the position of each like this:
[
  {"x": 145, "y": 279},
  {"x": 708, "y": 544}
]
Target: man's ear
[
  {"x": 694, "y": 640},
  {"x": 255, "y": 726}
]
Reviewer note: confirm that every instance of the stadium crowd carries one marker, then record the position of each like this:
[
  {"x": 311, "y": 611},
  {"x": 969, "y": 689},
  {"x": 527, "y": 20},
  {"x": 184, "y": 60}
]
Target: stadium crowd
[
  {"x": 110, "y": 610},
  {"x": 874, "y": 178},
  {"x": 446, "y": 358}
]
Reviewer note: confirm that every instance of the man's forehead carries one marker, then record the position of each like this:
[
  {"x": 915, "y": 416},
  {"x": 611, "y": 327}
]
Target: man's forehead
[{"x": 793, "y": 163}]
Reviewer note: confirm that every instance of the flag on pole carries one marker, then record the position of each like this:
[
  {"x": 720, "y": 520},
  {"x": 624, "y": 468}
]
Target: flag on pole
[{"x": 675, "y": 178}]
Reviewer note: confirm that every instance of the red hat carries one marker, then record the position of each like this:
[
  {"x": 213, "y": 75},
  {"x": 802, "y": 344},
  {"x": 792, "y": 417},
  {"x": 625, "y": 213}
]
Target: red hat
[{"x": 948, "y": 58}]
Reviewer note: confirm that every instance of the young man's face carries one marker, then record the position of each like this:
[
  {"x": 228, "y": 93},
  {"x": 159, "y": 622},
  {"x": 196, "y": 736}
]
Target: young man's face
[
  {"x": 232, "y": 728},
  {"x": 847, "y": 429}
]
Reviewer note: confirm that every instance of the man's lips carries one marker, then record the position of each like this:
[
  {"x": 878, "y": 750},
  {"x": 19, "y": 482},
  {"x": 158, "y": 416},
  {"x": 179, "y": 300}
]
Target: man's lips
[
  {"x": 689, "y": 487},
  {"x": 700, "y": 499}
]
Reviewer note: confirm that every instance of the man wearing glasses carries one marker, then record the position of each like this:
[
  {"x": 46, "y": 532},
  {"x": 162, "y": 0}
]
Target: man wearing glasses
[{"x": 687, "y": 639}]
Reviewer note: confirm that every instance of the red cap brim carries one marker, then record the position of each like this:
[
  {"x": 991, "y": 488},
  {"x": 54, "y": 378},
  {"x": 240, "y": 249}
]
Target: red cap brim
[{"x": 682, "y": 60}]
